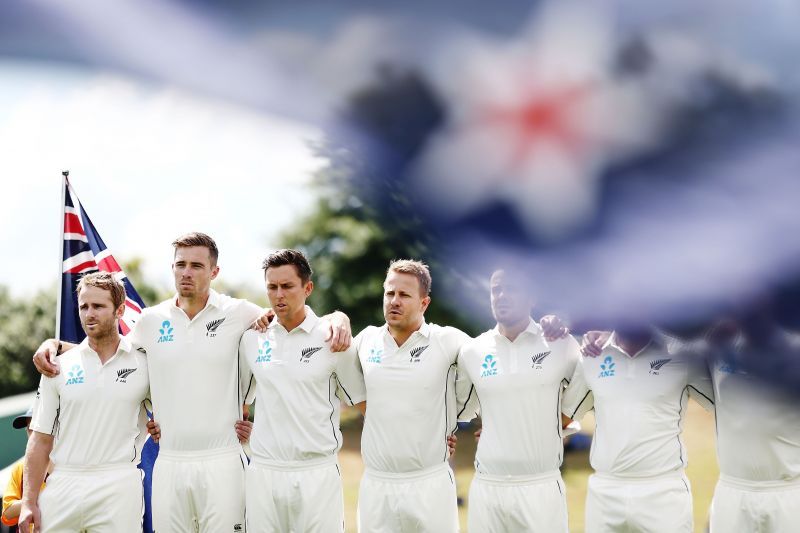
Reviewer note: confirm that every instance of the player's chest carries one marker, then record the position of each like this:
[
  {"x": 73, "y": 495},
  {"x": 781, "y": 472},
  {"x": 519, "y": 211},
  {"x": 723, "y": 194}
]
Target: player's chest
[
  {"x": 277, "y": 358},
  {"x": 204, "y": 339},
  {"x": 654, "y": 376},
  {"x": 125, "y": 381},
  {"x": 421, "y": 362},
  {"x": 507, "y": 365}
]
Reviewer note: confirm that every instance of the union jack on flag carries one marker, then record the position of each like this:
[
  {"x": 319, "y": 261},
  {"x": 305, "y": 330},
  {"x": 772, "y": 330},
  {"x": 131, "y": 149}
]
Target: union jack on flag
[{"x": 84, "y": 252}]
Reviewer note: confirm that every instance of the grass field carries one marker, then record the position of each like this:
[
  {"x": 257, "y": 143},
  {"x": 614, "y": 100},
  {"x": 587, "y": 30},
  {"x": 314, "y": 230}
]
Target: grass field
[{"x": 702, "y": 472}]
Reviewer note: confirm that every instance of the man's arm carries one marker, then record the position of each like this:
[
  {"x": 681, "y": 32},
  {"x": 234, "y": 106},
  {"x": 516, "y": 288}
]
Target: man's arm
[
  {"x": 340, "y": 335},
  {"x": 37, "y": 458},
  {"x": 553, "y": 328},
  {"x": 578, "y": 398},
  {"x": 45, "y": 357},
  {"x": 362, "y": 406},
  {"x": 593, "y": 343}
]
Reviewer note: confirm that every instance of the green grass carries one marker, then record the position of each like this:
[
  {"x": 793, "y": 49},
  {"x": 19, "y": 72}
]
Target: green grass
[{"x": 702, "y": 471}]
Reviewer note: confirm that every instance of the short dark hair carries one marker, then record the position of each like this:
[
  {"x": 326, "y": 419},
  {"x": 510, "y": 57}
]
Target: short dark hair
[
  {"x": 196, "y": 238},
  {"x": 105, "y": 281},
  {"x": 288, "y": 256}
]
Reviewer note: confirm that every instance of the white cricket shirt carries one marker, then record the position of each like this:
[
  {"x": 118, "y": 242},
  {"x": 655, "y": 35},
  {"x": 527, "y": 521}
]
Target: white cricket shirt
[
  {"x": 300, "y": 385},
  {"x": 194, "y": 370},
  {"x": 639, "y": 405},
  {"x": 95, "y": 411},
  {"x": 412, "y": 400},
  {"x": 758, "y": 425},
  {"x": 519, "y": 386}
]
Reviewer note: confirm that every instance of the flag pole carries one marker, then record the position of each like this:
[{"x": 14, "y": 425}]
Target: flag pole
[{"x": 64, "y": 181}]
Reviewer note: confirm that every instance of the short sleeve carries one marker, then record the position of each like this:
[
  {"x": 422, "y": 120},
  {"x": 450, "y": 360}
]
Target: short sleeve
[
  {"x": 466, "y": 397},
  {"x": 349, "y": 377},
  {"x": 247, "y": 381},
  {"x": 46, "y": 407},
  {"x": 578, "y": 398}
]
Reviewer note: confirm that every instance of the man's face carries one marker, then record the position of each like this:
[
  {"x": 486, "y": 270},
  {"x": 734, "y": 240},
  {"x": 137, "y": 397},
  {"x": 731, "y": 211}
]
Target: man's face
[
  {"x": 97, "y": 313},
  {"x": 510, "y": 298},
  {"x": 193, "y": 271},
  {"x": 403, "y": 305},
  {"x": 287, "y": 293}
]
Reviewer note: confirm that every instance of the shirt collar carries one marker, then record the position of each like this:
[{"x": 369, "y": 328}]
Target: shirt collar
[
  {"x": 659, "y": 340},
  {"x": 306, "y": 325},
  {"x": 532, "y": 328},
  {"x": 424, "y": 329},
  {"x": 125, "y": 345},
  {"x": 213, "y": 299}
]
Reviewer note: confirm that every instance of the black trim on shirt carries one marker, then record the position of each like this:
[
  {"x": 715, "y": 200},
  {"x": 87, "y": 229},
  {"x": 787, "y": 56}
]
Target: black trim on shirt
[
  {"x": 580, "y": 403},
  {"x": 469, "y": 396},
  {"x": 333, "y": 410}
]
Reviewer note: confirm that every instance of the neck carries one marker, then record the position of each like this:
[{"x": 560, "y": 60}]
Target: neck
[
  {"x": 400, "y": 336},
  {"x": 512, "y": 330},
  {"x": 105, "y": 346},
  {"x": 290, "y": 323},
  {"x": 192, "y": 305},
  {"x": 633, "y": 345}
]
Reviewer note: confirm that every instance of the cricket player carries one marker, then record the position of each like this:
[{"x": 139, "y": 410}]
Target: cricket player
[
  {"x": 519, "y": 377},
  {"x": 758, "y": 434},
  {"x": 192, "y": 342},
  {"x": 92, "y": 418},
  {"x": 409, "y": 367},
  {"x": 294, "y": 482},
  {"x": 638, "y": 386}
]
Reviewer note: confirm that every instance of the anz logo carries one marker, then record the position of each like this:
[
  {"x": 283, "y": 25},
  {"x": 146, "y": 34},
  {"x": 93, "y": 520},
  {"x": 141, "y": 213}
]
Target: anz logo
[
  {"x": 656, "y": 365},
  {"x": 166, "y": 332},
  {"x": 489, "y": 366},
  {"x": 264, "y": 353},
  {"x": 607, "y": 367},
  {"x": 536, "y": 360},
  {"x": 375, "y": 355},
  {"x": 75, "y": 375},
  {"x": 416, "y": 352}
]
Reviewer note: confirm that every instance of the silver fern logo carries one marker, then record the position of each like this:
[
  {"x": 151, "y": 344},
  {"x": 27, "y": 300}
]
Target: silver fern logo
[
  {"x": 416, "y": 352},
  {"x": 656, "y": 365},
  {"x": 306, "y": 353},
  {"x": 537, "y": 359},
  {"x": 211, "y": 327},
  {"x": 123, "y": 373}
]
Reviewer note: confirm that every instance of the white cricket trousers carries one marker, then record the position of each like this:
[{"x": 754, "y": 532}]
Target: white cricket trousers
[
  {"x": 763, "y": 507},
  {"x": 295, "y": 498},
  {"x": 510, "y": 504},
  {"x": 199, "y": 492},
  {"x": 417, "y": 502},
  {"x": 103, "y": 499},
  {"x": 659, "y": 504}
]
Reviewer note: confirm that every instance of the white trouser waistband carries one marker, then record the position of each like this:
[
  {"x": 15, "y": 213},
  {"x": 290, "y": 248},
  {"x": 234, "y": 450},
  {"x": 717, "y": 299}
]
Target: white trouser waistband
[
  {"x": 675, "y": 474},
  {"x": 405, "y": 477},
  {"x": 92, "y": 469},
  {"x": 758, "y": 486},
  {"x": 555, "y": 475},
  {"x": 235, "y": 450},
  {"x": 289, "y": 466}
]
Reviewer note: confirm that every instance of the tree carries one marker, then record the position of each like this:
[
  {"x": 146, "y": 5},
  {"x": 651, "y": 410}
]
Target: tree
[{"x": 24, "y": 323}]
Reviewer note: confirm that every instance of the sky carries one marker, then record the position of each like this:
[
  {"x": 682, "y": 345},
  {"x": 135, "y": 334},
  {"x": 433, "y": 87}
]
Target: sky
[{"x": 148, "y": 162}]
